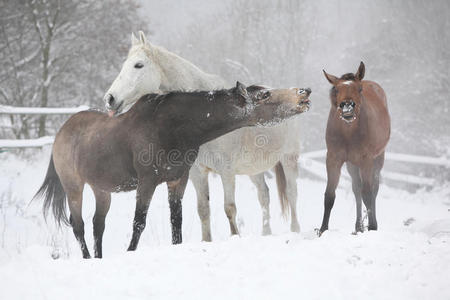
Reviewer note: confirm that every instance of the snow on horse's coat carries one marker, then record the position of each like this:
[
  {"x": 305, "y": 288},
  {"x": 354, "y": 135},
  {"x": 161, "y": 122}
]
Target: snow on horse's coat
[{"x": 247, "y": 151}]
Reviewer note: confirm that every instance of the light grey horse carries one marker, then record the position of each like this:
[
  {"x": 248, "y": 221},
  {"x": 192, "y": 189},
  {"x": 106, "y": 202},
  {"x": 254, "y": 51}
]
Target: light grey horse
[{"x": 247, "y": 151}]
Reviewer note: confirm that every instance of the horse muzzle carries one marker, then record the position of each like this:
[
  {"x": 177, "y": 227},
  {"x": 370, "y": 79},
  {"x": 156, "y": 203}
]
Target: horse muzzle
[
  {"x": 112, "y": 105},
  {"x": 112, "y": 111},
  {"x": 304, "y": 104},
  {"x": 347, "y": 111}
]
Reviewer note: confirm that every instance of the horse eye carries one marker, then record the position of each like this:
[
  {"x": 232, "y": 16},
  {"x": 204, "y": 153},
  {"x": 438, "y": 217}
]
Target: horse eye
[
  {"x": 265, "y": 95},
  {"x": 138, "y": 65}
]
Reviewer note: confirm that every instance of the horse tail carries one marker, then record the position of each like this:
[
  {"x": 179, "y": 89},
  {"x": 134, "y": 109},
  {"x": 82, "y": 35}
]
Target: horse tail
[
  {"x": 54, "y": 195},
  {"x": 282, "y": 185}
]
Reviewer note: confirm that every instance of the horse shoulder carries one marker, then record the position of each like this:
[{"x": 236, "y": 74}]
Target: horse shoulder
[
  {"x": 374, "y": 92},
  {"x": 378, "y": 115}
]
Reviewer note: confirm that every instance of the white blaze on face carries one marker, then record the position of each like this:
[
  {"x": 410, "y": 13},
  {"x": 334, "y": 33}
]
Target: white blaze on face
[{"x": 139, "y": 76}]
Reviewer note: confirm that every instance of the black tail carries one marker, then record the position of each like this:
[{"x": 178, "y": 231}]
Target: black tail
[{"x": 54, "y": 195}]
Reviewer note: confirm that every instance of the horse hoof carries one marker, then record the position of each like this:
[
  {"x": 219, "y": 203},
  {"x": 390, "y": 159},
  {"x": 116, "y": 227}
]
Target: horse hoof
[
  {"x": 267, "y": 231},
  {"x": 359, "y": 228},
  {"x": 318, "y": 232},
  {"x": 295, "y": 228}
]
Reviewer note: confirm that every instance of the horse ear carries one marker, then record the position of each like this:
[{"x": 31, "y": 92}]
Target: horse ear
[
  {"x": 134, "y": 40},
  {"x": 241, "y": 90},
  {"x": 142, "y": 38},
  {"x": 331, "y": 78},
  {"x": 360, "y": 73}
]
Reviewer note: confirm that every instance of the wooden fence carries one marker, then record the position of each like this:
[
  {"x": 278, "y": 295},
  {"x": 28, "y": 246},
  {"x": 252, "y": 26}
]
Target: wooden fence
[
  {"x": 40, "y": 142},
  {"x": 309, "y": 161}
]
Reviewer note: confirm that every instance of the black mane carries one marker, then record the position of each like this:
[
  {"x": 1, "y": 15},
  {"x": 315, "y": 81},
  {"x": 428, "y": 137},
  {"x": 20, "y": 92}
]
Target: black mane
[
  {"x": 220, "y": 92},
  {"x": 348, "y": 76}
]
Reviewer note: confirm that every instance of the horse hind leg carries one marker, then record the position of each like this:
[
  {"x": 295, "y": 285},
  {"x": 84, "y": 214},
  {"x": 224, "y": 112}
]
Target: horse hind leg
[
  {"x": 102, "y": 204},
  {"x": 378, "y": 165},
  {"x": 228, "y": 182},
  {"x": 264, "y": 200},
  {"x": 75, "y": 200},
  {"x": 357, "y": 190},
  {"x": 199, "y": 179},
  {"x": 176, "y": 192}
]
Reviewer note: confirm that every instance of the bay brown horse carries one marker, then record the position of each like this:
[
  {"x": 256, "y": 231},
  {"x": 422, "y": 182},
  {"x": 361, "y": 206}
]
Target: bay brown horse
[
  {"x": 156, "y": 141},
  {"x": 357, "y": 133}
]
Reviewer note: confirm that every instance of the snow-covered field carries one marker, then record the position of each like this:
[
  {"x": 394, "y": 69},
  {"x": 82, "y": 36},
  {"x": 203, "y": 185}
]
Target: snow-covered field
[{"x": 408, "y": 258}]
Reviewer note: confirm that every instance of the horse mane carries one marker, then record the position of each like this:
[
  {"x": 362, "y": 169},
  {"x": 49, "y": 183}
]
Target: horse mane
[
  {"x": 218, "y": 92},
  {"x": 254, "y": 88},
  {"x": 159, "y": 53},
  {"x": 156, "y": 99},
  {"x": 348, "y": 76}
]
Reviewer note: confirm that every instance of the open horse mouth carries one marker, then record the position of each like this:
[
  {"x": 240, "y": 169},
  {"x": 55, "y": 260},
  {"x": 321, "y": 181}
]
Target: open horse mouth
[
  {"x": 348, "y": 117},
  {"x": 347, "y": 111},
  {"x": 304, "y": 104},
  {"x": 113, "y": 112}
]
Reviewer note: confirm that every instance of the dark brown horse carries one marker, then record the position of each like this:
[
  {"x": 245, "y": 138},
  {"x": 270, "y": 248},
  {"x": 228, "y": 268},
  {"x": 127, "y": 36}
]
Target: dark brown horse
[
  {"x": 156, "y": 141},
  {"x": 357, "y": 133}
]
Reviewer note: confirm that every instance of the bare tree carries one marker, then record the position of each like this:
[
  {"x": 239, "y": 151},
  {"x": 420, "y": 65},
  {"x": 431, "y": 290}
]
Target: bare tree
[{"x": 60, "y": 52}]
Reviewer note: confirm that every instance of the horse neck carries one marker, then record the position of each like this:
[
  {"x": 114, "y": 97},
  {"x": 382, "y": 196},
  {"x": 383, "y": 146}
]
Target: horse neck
[
  {"x": 196, "y": 119},
  {"x": 180, "y": 74}
]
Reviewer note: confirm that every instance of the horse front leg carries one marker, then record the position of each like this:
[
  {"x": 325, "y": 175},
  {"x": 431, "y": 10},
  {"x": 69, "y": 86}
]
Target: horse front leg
[
  {"x": 176, "y": 191},
  {"x": 264, "y": 200},
  {"x": 378, "y": 165},
  {"x": 368, "y": 192},
  {"x": 228, "y": 182},
  {"x": 357, "y": 190},
  {"x": 199, "y": 178},
  {"x": 334, "y": 166},
  {"x": 146, "y": 188}
]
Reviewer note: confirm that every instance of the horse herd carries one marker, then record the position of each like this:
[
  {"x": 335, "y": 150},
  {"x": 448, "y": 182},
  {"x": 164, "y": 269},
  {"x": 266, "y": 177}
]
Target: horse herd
[{"x": 168, "y": 121}]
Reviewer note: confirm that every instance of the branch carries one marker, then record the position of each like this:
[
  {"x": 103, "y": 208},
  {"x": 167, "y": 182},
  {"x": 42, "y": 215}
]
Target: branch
[{"x": 4, "y": 94}]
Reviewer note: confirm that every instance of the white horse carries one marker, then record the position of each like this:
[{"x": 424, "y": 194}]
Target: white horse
[{"x": 246, "y": 151}]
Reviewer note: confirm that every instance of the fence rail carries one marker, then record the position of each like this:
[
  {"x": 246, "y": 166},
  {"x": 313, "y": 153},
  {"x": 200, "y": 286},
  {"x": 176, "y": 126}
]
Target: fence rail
[
  {"x": 308, "y": 161},
  {"x": 12, "y": 110},
  {"x": 317, "y": 168},
  {"x": 27, "y": 143},
  {"x": 39, "y": 142}
]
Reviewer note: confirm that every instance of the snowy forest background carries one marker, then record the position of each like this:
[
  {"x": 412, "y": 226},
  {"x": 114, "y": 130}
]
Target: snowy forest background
[{"x": 66, "y": 53}]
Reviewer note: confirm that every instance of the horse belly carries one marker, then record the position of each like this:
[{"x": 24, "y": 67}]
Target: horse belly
[{"x": 251, "y": 150}]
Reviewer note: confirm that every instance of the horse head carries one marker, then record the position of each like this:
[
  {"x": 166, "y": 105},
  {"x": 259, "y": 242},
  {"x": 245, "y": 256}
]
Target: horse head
[
  {"x": 139, "y": 75},
  {"x": 346, "y": 94},
  {"x": 270, "y": 105}
]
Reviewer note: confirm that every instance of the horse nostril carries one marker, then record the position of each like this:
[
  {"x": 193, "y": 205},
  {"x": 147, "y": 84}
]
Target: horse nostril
[{"x": 110, "y": 99}]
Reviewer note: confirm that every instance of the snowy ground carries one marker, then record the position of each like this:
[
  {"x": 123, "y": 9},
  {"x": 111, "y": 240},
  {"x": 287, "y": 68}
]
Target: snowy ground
[{"x": 397, "y": 262}]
